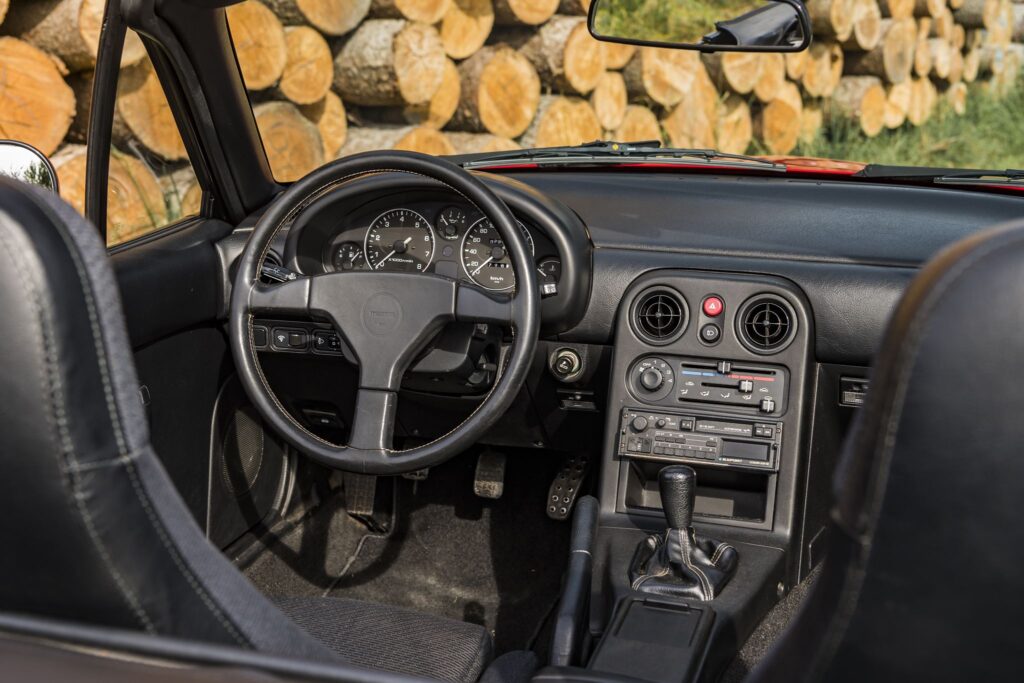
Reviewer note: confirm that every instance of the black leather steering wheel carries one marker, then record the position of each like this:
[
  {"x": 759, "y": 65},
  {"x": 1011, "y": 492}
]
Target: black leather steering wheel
[{"x": 386, "y": 319}]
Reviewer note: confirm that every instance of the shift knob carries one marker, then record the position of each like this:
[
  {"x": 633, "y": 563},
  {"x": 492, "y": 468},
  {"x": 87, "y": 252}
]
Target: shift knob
[{"x": 678, "y": 485}]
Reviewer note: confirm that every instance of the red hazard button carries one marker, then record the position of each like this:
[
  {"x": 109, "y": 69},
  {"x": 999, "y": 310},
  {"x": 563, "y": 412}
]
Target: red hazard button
[{"x": 713, "y": 307}]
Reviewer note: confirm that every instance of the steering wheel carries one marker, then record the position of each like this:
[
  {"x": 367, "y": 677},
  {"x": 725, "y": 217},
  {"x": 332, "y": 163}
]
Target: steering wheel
[{"x": 386, "y": 319}]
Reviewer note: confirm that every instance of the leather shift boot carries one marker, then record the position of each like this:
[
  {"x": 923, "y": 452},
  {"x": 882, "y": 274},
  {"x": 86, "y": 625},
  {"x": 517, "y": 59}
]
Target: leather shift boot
[{"x": 681, "y": 564}]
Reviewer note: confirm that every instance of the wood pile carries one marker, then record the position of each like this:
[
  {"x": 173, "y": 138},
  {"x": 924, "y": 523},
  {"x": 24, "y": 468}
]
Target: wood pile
[{"x": 335, "y": 77}]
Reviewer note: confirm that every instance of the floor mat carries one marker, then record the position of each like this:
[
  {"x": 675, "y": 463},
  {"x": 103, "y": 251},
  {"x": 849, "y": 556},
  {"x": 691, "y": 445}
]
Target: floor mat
[
  {"x": 497, "y": 563},
  {"x": 769, "y": 630}
]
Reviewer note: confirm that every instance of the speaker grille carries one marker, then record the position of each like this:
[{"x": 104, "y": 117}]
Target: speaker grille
[
  {"x": 766, "y": 324},
  {"x": 659, "y": 315},
  {"x": 243, "y": 452}
]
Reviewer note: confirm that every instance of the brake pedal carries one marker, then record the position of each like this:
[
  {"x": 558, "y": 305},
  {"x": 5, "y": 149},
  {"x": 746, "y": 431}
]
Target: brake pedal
[
  {"x": 489, "y": 481},
  {"x": 565, "y": 489}
]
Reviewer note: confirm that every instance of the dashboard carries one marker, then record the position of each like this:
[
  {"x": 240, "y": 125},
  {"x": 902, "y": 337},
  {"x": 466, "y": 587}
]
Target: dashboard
[{"x": 393, "y": 222}]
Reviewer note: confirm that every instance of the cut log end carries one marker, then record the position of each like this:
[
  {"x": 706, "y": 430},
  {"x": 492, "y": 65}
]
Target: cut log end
[
  {"x": 308, "y": 70},
  {"x": 639, "y": 124},
  {"x": 609, "y": 100},
  {"x": 292, "y": 143},
  {"x": 259, "y": 43},
  {"x": 465, "y": 27},
  {"x": 36, "y": 105}
]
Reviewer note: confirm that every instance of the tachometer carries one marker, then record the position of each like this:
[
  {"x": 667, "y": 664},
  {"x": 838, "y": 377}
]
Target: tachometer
[
  {"x": 485, "y": 258},
  {"x": 399, "y": 240}
]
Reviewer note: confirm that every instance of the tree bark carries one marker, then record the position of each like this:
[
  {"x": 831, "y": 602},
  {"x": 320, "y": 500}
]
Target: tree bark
[
  {"x": 662, "y": 76},
  {"x": 333, "y": 17},
  {"x": 68, "y": 29},
  {"x": 893, "y": 59},
  {"x": 390, "y": 62},
  {"x": 862, "y": 99},
  {"x": 476, "y": 143},
  {"x": 735, "y": 128},
  {"x": 409, "y": 138},
  {"x": 566, "y": 57}
]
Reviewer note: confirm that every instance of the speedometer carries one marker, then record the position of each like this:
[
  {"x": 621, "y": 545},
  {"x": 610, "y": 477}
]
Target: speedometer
[
  {"x": 485, "y": 258},
  {"x": 399, "y": 240}
]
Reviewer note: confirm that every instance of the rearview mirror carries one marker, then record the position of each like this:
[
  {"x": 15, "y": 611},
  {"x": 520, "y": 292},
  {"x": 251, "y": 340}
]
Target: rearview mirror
[
  {"x": 706, "y": 25},
  {"x": 26, "y": 163}
]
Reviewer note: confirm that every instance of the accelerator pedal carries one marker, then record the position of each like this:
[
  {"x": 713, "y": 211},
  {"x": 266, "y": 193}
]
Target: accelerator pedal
[{"x": 565, "y": 488}]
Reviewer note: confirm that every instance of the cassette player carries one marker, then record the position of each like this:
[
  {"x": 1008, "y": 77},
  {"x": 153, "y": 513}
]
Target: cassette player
[{"x": 699, "y": 439}]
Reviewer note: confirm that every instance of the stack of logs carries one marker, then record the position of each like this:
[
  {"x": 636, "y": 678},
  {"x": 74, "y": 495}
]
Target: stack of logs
[{"x": 335, "y": 77}]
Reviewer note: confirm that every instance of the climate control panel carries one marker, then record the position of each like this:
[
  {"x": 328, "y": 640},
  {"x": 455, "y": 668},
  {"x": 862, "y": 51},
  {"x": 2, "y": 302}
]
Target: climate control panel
[
  {"x": 702, "y": 440},
  {"x": 675, "y": 380}
]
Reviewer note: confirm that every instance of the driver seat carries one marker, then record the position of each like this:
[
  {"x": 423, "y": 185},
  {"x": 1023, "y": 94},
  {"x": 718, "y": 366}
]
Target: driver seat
[{"x": 94, "y": 531}]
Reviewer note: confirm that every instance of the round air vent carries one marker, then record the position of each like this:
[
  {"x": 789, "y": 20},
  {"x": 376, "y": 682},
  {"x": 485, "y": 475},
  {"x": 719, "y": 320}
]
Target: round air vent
[
  {"x": 659, "y": 315},
  {"x": 766, "y": 324}
]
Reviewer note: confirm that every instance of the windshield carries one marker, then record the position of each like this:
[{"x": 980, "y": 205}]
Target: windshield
[{"x": 937, "y": 88}]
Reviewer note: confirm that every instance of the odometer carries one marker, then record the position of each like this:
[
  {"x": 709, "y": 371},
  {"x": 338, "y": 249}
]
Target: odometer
[
  {"x": 399, "y": 240},
  {"x": 485, "y": 258}
]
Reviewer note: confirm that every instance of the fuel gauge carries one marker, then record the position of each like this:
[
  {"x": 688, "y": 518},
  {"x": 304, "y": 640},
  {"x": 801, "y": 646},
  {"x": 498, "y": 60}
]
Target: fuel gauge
[{"x": 347, "y": 256}]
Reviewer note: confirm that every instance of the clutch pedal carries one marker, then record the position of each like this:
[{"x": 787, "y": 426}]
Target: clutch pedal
[{"x": 565, "y": 489}]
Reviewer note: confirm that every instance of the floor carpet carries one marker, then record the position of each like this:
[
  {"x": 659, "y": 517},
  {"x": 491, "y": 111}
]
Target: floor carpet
[{"x": 498, "y": 563}]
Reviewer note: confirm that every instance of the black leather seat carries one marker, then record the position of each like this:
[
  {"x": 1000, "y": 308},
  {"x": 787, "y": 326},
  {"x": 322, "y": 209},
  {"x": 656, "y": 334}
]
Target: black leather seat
[
  {"x": 92, "y": 529},
  {"x": 923, "y": 576}
]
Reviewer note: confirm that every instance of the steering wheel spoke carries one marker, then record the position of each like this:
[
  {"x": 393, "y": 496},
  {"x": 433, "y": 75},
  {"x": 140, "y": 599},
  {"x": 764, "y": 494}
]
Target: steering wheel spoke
[
  {"x": 474, "y": 304},
  {"x": 284, "y": 298},
  {"x": 373, "y": 424}
]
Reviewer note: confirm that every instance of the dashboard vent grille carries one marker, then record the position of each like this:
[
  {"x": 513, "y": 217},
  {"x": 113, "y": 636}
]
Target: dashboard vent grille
[
  {"x": 659, "y": 315},
  {"x": 766, "y": 324}
]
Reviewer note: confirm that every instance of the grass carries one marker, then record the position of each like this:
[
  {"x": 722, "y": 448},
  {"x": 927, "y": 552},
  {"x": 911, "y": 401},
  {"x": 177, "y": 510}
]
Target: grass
[
  {"x": 671, "y": 21},
  {"x": 989, "y": 135}
]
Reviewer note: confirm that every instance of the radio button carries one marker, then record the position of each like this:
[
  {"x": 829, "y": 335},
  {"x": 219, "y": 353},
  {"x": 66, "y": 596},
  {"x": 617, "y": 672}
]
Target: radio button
[{"x": 639, "y": 423}]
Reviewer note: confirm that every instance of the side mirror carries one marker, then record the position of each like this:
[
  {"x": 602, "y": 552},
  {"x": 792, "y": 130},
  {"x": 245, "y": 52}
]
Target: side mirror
[
  {"x": 26, "y": 163},
  {"x": 705, "y": 25}
]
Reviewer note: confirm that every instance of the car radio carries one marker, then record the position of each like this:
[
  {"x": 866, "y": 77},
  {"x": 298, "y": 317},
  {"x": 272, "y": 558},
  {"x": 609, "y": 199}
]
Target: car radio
[{"x": 699, "y": 439}]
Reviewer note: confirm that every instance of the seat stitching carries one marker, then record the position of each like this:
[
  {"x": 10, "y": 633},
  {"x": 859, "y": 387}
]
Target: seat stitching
[
  {"x": 52, "y": 389},
  {"x": 179, "y": 562},
  {"x": 100, "y": 349},
  {"x": 102, "y": 464}
]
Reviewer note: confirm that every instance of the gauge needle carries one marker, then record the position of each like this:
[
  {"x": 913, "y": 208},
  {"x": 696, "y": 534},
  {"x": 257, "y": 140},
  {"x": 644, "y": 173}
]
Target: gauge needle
[
  {"x": 481, "y": 267},
  {"x": 392, "y": 253}
]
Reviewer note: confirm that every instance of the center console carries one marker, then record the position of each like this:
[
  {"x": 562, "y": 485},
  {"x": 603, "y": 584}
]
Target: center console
[{"x": 711, "y": 371}]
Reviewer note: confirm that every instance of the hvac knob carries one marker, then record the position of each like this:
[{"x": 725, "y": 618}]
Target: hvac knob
[{"x": 651, "y": 379}]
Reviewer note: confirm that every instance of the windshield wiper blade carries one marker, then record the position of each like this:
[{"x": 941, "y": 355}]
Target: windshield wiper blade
[
  {"x": 1010, "y": 176},
  {"x": 616, "y": 152},
  {"x": 941, "y": 176}
]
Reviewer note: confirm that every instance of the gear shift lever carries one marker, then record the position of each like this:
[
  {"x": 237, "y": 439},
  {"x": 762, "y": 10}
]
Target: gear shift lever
[
  {"x": 680, "y": 563},
  {"x": 678, "y": 485}
]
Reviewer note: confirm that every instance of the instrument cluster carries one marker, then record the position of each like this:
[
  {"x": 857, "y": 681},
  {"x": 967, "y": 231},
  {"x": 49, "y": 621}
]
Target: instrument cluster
[{"x": 450, "y": 239}]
